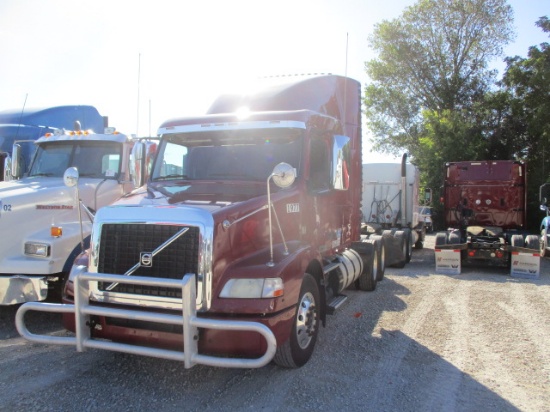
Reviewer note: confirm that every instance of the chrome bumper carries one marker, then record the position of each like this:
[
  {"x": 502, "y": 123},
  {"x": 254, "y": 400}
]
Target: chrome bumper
[
  {"x": 20, "y": 289},
  {"x": 190, "y": 322}
]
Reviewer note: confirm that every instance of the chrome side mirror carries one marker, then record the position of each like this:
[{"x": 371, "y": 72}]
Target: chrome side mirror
[
  {"x": 15, "y": 155},
  {"x": 283, "y": 175},
  {"x": 70, "y": 177}
]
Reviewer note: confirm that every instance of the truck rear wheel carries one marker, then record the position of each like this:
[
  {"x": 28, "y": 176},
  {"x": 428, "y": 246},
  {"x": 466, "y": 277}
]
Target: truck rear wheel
[
  {"x": 542, "y": 244},
  {"x": 381, "y": 242},
  {"x": 441, "y": 239},
  {"x": 517, "y": 241},
  {"x": 367, "y": 279},
  {"x": 404, "y": 246},
  {"x": 454, "y": 238},
  {"x": 532, "y": 242},
  {"x": 409, "y": 242},
  {"x": 297, "y": 350}
]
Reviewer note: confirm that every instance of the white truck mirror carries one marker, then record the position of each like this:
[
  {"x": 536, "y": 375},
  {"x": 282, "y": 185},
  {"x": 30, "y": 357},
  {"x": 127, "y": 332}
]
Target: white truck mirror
[
  {"x": 283, "y": 175},
  {"x": 70, "y": 177},
  {"x": 7, "y": 168},
  {"x": 341, "y": 162},
  {"x": 137, "y": 164},
  {"x": 15, "y": 155}
]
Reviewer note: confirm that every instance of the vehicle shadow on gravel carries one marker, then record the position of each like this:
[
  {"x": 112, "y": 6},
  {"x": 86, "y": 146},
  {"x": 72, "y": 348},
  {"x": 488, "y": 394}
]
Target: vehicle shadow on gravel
[
  {"x": 407, "y": 375},
  {"x": 37, "y": 322}
]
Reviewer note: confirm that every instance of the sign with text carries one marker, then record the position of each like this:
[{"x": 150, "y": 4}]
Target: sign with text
[
  {"x": 525, "y": 265},
  {"x": 447, "y": 261}
]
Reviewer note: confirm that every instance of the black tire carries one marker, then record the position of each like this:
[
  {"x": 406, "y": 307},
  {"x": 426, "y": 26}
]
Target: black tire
[
  {"x": 517, "y": 241},
  {"x": 367, "y": 279},
  {"x": 297, "y": 350},
  {"x": 409, "y": 240},
  {"x": 381, "y": 241},
  {"x": 454, "y": 238},
  {"x": 532, "y": 242},
  {"x": 542, "y": 243},
  {"x": 402, "y": 238},
  {"x": 419, "y": 245},
  {"x": 441, "y": 239}
]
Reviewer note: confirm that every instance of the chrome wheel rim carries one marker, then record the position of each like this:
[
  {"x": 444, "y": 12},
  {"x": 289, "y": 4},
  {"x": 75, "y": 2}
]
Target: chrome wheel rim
[{"x": 306, "y": 320}]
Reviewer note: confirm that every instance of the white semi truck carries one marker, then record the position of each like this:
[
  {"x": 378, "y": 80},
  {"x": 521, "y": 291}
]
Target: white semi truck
[
  {"x": 391, "y": 204},
  {"x": 39, "y": 215}
]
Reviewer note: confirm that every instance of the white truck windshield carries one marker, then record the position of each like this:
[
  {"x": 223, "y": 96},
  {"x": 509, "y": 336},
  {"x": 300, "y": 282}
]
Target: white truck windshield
[{"x": 92, "y": 159}]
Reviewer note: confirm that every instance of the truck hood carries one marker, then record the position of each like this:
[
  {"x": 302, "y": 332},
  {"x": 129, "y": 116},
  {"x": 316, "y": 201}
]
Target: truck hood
[
  {"x": 216, "y": 199},
  {"x": 205, "y": 195},
  {"x": 46, "y": 193}
]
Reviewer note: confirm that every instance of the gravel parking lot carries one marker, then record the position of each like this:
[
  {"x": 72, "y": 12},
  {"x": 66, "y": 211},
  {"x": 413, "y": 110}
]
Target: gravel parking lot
[{"x": 420, "y": 342}]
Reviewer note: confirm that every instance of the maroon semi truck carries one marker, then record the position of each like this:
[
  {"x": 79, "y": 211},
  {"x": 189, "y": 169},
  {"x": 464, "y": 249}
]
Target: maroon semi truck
[
  {"x": 484, "y": 207},
  {"x": 241, "y": 243}
]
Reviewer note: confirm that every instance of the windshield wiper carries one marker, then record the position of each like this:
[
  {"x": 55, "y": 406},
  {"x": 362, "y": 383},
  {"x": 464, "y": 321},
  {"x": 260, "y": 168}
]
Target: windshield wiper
[
  {"x": 42, "y": 174},
  {"x": 172, "y": 176}
]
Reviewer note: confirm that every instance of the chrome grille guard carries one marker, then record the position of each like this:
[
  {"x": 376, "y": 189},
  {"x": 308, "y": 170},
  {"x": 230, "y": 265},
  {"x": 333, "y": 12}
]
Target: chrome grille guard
[{"x": 189, "y": 320}]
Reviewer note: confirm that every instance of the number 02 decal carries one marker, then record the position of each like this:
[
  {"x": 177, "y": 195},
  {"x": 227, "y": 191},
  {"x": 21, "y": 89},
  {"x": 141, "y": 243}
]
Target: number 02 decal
[{"x": 4, "y": 208}]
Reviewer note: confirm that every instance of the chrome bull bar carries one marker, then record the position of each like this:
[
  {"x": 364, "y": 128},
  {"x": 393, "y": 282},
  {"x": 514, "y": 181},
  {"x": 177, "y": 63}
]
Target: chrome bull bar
[{"x": 190, "y": 356}]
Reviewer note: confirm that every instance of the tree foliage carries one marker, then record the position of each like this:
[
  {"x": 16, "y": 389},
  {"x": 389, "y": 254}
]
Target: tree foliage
[
  {"x": 433, "y": 96},
  {"x": 432, "y": 60},
  {"x": 527, "y": 84}
]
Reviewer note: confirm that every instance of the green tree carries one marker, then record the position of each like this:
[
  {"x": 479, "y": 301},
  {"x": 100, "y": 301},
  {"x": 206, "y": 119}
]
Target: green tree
[
  {"x": 433, "y": 59},
  {"x": 527, "y": 83}
]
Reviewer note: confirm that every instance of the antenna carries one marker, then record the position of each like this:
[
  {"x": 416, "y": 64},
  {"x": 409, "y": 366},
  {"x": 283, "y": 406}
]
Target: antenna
[
  {"x": 346, "y": 85},
  {"x": 346, "y": 66},
  {"x": 139, "y": 74},
  {"x": 21, "y": 116}
]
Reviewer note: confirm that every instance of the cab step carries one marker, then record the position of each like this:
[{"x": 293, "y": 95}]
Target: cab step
[{"x": 335, "y": 303}]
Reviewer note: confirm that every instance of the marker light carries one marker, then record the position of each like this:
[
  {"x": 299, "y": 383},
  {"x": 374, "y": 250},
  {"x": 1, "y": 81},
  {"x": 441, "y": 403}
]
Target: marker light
[{"x": 56, "y": 231}]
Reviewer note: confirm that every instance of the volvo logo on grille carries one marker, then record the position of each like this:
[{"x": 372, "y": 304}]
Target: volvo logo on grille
[{"x": 146, "y": 259}]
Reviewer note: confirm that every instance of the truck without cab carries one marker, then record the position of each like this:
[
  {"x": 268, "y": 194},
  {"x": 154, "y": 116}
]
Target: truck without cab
[
  {"x": 391, "y": 199},
  {"x": 484, "y": 206}
]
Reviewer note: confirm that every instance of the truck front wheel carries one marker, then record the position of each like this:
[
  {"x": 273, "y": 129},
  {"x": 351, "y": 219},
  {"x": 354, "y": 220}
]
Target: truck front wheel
[{"x": 297, "y": 350}]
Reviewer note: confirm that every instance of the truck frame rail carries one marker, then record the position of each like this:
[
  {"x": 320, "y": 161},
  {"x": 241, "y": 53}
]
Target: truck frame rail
[{"x": 83, "y": 340}]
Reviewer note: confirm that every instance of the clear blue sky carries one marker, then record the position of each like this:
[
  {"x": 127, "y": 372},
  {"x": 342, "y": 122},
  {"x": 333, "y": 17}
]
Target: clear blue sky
[{"x": 74, "y": 52}]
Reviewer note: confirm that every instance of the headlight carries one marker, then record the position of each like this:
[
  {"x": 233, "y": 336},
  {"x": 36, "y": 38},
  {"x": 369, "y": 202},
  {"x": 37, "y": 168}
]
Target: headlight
[
  {"x": 37, "y": 249},
  {"x": 253, "y": 288}
]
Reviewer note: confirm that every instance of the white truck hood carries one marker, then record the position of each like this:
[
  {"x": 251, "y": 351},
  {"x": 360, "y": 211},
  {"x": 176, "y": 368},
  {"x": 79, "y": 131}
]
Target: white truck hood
[
  {"x": 51, "y": 192},
  {"x": 28, "y": 209}
]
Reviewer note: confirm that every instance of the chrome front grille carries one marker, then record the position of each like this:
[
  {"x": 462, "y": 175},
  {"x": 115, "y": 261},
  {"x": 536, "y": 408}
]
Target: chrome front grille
[{"x": 121, "y": 246}]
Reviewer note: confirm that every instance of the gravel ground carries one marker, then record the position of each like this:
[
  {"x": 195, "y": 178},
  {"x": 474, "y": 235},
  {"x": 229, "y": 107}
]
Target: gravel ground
[{"x": 420, "y": 341}]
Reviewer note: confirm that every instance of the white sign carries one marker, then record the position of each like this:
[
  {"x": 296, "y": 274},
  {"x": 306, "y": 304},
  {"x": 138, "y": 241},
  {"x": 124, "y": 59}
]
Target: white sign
[
  {"x": 447, "y": 261},
  {"x": 525, "y": 265}
]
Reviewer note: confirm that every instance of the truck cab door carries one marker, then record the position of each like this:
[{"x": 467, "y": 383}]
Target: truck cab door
[{"x": 328, "y": 184}]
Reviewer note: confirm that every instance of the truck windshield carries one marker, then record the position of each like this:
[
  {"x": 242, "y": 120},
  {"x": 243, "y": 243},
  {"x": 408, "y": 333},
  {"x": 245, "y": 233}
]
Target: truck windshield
[
  {"x": 99, "y": 160},
  {"x": 248, "y": 155}
]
